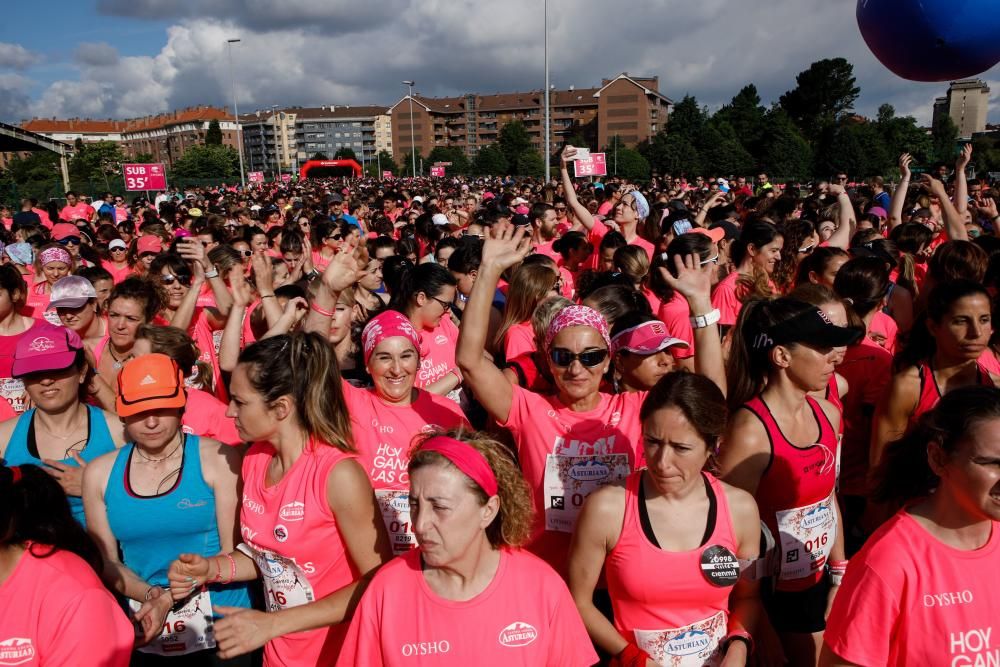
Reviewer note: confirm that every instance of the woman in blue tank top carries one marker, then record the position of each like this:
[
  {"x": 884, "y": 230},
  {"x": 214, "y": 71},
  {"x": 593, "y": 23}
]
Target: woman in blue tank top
[
  {"x": 61, "y": 433},
  {"x": 165, "y": 493}
]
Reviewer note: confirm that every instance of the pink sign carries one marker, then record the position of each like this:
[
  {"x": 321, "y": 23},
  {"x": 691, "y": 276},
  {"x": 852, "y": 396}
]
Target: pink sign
[
  {"x": 386, "y": 174},
  {"x": 592, "y": 166},
  {"x": 255, "y": 176},
  {"x": 286, "y": 178},
  {"x": 437, "y": 171},
  {"x": 145, "y": 176}
]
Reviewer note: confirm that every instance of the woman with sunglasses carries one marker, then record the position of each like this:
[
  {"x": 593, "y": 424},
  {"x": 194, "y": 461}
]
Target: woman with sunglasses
[
  {"x": 559, "y": 437},
  {"x": 53, "y": 262},
  {"x": 329, "y": 235},
  {"x": 68, "y": 236},
  {"x": 425, "y": 296},
  {"x": 782, "y": 447},
  {"x": 74, "y": 300},
  {"x": 116, "y": 260},
  {"x": 60, "y": 433},
  {"x": 165, "y": 493}
]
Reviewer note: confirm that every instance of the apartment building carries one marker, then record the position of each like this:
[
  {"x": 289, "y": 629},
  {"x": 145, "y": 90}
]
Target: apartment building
[
  {"x": 967, "y": 102},
  {"x": 364, "y": 129},
  {"x": 630, "y": 107},
  {"x": 269, "y": 142},
  {"x": 68, "y": 130},
  {"x": 169, "y": 135}
]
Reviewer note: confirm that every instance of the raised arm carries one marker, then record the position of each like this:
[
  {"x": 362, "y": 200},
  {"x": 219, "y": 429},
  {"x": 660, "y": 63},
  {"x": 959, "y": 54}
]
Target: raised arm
[
  {"x": 579, "y": 210},
  {"x": 340, "y": 274},
  {"x": 232, "y": 334},
  {"x": 841, "y": 237},
  {"x": 504, "y": 247},
  {"x": 961, "y": 184},
  {"x": 899, "y": 194},
  {"x": 954, "y": 224}
]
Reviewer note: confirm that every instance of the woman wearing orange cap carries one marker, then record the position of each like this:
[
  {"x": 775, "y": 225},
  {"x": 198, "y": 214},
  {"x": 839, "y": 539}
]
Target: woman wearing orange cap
[{"x": 164, "y": 493}]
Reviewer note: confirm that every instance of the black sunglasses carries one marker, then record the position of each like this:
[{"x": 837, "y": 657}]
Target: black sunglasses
[
  {"x": 70, "y": 240},
  {"x": 169, "y": 279},
  {"x": 562, "y": 357}
]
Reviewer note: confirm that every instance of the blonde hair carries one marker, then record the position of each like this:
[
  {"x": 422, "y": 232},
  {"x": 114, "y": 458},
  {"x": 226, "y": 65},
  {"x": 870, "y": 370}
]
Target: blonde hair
[{"x": 513, "y": 523}]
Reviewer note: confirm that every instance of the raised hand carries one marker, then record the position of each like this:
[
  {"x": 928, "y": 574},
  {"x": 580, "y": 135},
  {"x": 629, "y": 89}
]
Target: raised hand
[
  {"x": 263, "y": 273},
  {"x": 693, "y": 281},
  {"x": 904, "y": 165},
  {"x": 567, "y": 155},
  {"x": 964, "y": 158},
  {"x": 505, "y": 246},
  {"x": 342, "y": 271}
]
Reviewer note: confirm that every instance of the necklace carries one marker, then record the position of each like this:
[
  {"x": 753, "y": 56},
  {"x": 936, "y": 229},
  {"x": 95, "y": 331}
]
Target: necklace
[
  {"x": 118, "y": 363},
  {"x": 38, "y": 422},
  {"x": 138, "y": 450}
]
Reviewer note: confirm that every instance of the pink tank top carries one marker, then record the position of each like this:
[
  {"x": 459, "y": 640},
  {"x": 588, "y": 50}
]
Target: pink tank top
[
  {"x": 292, "y": 535},
  {"x": 673, "y": 604},
  {"x": 930, "y": 392},
  {"x": 796, "y": 497}
]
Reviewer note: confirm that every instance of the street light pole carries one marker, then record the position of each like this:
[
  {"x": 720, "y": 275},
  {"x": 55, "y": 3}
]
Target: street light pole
[
  {"x": 236, "y": 111},
  {"x": 413, "y": 148},
  {"x": 277, "y": 155},
  {"x": 548, "y": 156}
]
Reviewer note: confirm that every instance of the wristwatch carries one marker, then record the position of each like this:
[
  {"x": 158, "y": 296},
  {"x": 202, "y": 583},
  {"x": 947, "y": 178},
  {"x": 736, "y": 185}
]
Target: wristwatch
[{"x": 706, "y": 320}]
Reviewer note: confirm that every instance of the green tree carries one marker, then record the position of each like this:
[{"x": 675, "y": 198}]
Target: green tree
[
  {"x": 213, "y": 136},
  {"x": 721, "y": 151},
  {"x": 786, "y": 153},
  {"x": 674, "y": 150},
  {"x": 460, "y": 164},
  {"x": 626, "y": 162},
  {"x": 745, "y": 115},
  {"x": 406, "y": 164},
  {"x": 855, "y": 148},
  {"x": 319, "y": 156},
  {"x": 513, "y": 141},
  {"x": 823, "y": 95},
  {"x": 489, "y": 161},
  {"x": 944, "y": 138},
  {"x": 530, "y": 163},
  {"x": 36, "y": 175},
  {"x": 142, "y": 158},
  {"x": 97, "y": 161},
  {"x": 345, "y": 153},
  {"x": 901, "y": 134},
  {"x": 687, "y": 119},
  {"x": 207, "y": 162},
  {"x": 576, "y": 139},
  {"x": 985, "y": 154},
  {"x": 382, "y": 162}
]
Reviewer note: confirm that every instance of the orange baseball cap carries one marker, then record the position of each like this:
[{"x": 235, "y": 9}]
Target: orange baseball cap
[{"x": 149, "y": 382}]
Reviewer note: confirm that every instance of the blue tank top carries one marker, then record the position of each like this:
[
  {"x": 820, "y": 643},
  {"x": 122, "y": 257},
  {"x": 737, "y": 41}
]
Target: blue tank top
[
  {"x": 153, "y": 530},
  {"x": 22, "y": 448}
]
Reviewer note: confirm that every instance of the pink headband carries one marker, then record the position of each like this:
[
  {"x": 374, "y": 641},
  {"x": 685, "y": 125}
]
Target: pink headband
[
  {"x": 466, "y": 458},
  {"x": 577, "y": 316},
  {"x": 387, "y": 324},
  {"x": 54, "y": 255}
]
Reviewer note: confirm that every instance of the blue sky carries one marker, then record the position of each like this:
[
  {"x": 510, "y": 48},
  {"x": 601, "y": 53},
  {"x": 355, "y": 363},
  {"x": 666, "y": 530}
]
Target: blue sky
[{"x": 122, "y": 58}]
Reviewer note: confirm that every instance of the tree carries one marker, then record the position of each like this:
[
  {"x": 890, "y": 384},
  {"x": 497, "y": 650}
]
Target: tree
[
  {"x": 319, "y": 156},
  {"x": 855, "y": 148},
  {"x": 382, "y": 162},
  {"x": 626, "y": 162},
  {"x": 721, "y": 151},
  {"x": 944, "y": 137},
  {"x": 901, "y": 134},
  {"x": 36, "y": 175},
  {"x": 530, "y": 163},
  {"x": 207, "y": 162},
  {"x": 823, "y": 95},
  {"x": 345, "y": 153},
  {"x": 513, "y": 141},
  {"x": 745, "y": 115},
  {"x": 406, "y": 164},
  {"x": 459, "y": 162},
  {"x": 687, "y": 119},
  {"x": 985, "y": 154},
  {"x": 96, "y": 161},
  {"x": 213, "y": 136},
  {"x": 489, "y": 161},
  {"x": 674, "y": 150},
  {"x": 142, "y": 158},
  {"x": 786, "y": 153}
]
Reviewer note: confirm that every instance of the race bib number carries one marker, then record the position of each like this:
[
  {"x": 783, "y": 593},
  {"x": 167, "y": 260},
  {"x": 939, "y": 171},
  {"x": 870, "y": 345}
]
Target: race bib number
[
  {"x": 570, "y": 479},
  {"x": 395, "y": 507},
  {"x": 285, "y": 584},
  {"x": 693, "y": 645},
  {"x": 806, "y": 535},
  {"x": 12, "y": 390},
  {"x": 186, "y": 630},
  {"x": 216, "y": 343}
]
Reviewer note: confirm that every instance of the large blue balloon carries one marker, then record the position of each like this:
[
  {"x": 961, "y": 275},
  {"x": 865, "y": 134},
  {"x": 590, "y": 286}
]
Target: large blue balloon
[{"x": 932, "y": 40}]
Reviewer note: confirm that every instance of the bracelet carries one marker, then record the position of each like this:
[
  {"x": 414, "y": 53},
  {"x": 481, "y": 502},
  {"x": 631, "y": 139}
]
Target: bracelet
[
  {"x": 458, "y": 374},
  {"x": 324, "y": 313},
  {"x": 232, "y": 569},
  {"x": 995, "y": 218},
  {"x": 739, "y": 636},
  {"x": 218, "y": 572},
  {"x": 212, "y": 273},
  {"x": 148, "y": 591},
  {"x": 631, "y": 656},
  {"x": 706, "y": 320},
  {"x": 268, "y": 296},
  {"x": 836, "y": 568}
]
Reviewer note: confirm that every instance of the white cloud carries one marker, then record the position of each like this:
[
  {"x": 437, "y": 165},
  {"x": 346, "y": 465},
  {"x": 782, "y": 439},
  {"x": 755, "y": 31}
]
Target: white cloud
[
  {"x": 14, "y": 97},
  {"x": 97, "y": 54},
  {"x": 15, "y": 56},
  {"x": 312, "y": 52}
]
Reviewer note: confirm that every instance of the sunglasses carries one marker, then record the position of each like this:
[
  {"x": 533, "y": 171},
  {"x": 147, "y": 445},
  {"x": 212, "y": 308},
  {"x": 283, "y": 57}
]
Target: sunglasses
[
  {"x": 170, "y": 279},
  {"x": 117, "y": 249},
  {"x": 563, "y": 358},
  {"x": 245, "y": 253},
  {"x": 70, "y": 240}
]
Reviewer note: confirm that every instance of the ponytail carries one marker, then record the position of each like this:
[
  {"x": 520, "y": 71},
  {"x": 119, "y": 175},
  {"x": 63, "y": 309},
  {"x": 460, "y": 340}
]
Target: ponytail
[{"x": 303, "y": 366}]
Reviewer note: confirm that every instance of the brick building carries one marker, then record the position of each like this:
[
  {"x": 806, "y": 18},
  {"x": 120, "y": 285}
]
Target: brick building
[
  {"x": 68, "y": 130},
  {"x": 631, "y": 107},
  {"x": 167, "y": 136}
]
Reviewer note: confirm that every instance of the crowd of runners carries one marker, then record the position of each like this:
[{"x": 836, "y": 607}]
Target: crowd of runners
[{"x": 460, "y": 421}]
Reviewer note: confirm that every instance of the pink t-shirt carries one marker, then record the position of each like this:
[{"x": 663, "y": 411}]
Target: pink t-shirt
[
  {"x": 55, "y": 612},
  {"x": 727, "y": 300},
  {"x": 519, "y": 339},
  {"x": 43, "y": 215},
  {"x": 382, "y": 435},
  {"x": 437, "y": 352},
  {"x": 568, "y": 455},
  {"x": 597, "y": 233},
  {"x": 205, "y": 415},
  {"x": 524, "y": 617},
  {"x": 546, "y": 249},
  {"x": 291, "y": 533},
  {"x": 81, "y": 211},
  {"x": 867, "y": 367},
  {"x": 885, "y": 328},
  {"x": 117, "y": 275},
  {"x": 921, "y": 601},
  {"x": 12, "y": 389},
  {"x": 988, "y": 361},
  {"x": 676, "y": 314}
]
